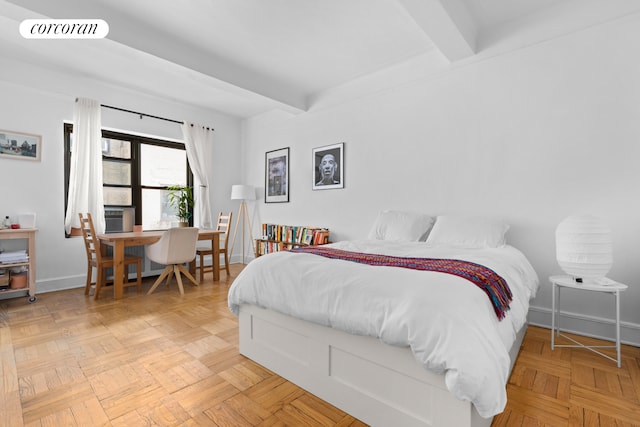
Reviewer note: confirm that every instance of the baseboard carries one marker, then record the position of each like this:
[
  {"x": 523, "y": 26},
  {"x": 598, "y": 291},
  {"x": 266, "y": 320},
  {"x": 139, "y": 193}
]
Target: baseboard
[
  {"x": 74, "y": 282},
  {"x": 591, "y": 326},
  {"x": 60, "y": 283}
]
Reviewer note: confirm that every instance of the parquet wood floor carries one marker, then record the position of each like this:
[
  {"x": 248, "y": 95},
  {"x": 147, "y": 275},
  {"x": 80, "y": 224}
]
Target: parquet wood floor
[
  {"x": 166, "y": 360},
  {"x": 571, "y": 387}
]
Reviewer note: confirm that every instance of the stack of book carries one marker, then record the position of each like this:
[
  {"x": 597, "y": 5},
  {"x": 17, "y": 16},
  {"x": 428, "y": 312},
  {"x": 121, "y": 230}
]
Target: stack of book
[
  {"x": 295, "y": 234},
  {"x": 14, "y": 257},
  {"x": 277, "y": 237}
]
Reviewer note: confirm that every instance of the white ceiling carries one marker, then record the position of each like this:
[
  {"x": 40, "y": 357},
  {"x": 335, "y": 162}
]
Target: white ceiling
[{"x": 244, "y": 57}]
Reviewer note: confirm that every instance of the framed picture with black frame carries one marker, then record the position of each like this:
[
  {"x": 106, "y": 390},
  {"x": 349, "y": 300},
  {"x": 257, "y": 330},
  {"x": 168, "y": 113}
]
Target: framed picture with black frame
[
  {"x": 276, "y": 187},
  {"x": 328, "y": 167}
]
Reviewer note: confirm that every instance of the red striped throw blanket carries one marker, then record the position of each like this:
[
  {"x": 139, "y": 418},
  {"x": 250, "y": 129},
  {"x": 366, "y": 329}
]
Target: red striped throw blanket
[{"x": 486, "y": 279}]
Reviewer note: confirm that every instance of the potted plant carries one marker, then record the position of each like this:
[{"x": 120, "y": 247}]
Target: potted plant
[{"x": 181, "y": 199}]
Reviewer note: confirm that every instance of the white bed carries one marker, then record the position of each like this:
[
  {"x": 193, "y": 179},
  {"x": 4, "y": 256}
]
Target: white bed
[{"x": 388, "y": 345}]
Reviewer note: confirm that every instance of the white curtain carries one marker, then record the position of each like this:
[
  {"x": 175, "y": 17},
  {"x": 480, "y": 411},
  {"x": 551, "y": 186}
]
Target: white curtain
[
  {"x": 197, "y": 139},
  {"x": 85, "y": 177}
]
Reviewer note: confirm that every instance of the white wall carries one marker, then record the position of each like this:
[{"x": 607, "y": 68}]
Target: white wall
[
  {"x": 39, "y": 101},
  {"x": 531, "y": 136}
]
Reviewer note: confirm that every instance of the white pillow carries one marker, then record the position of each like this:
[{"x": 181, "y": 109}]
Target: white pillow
[
  {"x": 402, "y": 226},
  {"x": 467, "y": 232}
]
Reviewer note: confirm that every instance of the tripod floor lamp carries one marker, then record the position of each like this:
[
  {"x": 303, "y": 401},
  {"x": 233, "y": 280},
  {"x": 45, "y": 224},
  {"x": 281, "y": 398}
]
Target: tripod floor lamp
[{"x": 244, "y": 193}]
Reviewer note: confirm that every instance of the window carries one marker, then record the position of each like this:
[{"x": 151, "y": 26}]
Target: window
[{"x": 136, "y": 172}]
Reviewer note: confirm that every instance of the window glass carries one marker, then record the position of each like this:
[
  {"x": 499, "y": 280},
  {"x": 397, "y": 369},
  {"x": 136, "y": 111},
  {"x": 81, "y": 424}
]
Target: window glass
[
  {"x": 116, "y": 173},
  {"x": 117, "y": 196},
  {"x": 116, "y": 148},
  {"x": 162, "y": 166},
  {"x": 157, "y": 214}
]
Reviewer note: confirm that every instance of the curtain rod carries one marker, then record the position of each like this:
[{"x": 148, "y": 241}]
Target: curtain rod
[{"x": 147, "y": 115}]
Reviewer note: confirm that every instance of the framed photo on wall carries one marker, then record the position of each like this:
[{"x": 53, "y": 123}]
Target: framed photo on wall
[
  {"x": 328, "y": 167},
  {"x": 276, "y": 187},
  {"x": 20, "y": 145}
]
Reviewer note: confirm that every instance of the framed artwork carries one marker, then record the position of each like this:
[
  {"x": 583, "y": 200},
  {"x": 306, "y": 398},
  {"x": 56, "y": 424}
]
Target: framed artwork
[
  {"x": 328, "y": 167},
  {"x": 20, "y": 145},
  {"x": 276, "y": 187}
]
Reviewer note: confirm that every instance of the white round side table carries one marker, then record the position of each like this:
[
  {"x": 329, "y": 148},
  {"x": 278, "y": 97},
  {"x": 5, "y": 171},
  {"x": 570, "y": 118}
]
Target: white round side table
[{"x": 604, "y": 285}]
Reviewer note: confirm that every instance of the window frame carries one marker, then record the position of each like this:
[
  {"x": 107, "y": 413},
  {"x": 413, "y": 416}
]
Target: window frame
[{"x": 136, "y": 142}]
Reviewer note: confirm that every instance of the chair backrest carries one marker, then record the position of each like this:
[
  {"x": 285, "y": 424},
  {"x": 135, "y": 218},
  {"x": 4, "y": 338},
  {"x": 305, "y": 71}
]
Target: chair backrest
[
  {"x": 224, "y": 224},
  {"x": 91, "y": 242},
  {"x": 176, "y": 246}
]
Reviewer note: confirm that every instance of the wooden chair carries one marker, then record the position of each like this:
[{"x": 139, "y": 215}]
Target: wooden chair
[
  {"x": 95, "y": 258},
  {"x": 176, "y": 247},
  {"x": 224, "y": 224}
]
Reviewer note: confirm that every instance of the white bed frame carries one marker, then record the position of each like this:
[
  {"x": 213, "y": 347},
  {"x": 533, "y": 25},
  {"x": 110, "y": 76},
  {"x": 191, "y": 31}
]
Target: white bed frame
[{"x": 379, "y": 384}]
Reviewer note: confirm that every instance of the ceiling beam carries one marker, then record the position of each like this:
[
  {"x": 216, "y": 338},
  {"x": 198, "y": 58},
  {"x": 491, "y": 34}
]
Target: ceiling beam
[
  {"x": 230, "y": 77},
  {"x": 447, "y": 23}
]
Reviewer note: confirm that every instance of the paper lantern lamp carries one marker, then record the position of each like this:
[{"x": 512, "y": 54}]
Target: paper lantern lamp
[{"x": 583, "y": 247}]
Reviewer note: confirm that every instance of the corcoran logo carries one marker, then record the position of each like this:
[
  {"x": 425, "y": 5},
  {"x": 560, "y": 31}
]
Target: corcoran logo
[{"x": 64, "y": 29}]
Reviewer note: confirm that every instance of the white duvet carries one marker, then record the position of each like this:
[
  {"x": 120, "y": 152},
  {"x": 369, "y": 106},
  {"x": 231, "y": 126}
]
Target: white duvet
[{"x": 447, "y": 321}]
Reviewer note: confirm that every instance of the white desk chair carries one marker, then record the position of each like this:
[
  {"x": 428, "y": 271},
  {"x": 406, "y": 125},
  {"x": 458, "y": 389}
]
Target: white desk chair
[{"x": 176, "y": 247}]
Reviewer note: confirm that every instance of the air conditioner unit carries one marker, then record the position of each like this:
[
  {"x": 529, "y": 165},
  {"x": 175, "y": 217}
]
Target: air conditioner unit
[{"x": 118, "y": 220}]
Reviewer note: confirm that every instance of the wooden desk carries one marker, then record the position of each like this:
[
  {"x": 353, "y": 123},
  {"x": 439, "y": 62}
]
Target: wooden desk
[{"x": 140, "y": 238}]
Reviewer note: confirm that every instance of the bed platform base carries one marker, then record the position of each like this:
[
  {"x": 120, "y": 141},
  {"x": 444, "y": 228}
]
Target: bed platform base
[{"x": 379, "y": 384}]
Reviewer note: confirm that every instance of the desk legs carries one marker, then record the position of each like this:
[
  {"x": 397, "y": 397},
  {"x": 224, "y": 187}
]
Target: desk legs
[
  {"x": 215, "y": 244},
  {"x": 118, "y": 269},
  {"x": 553, "y": 314},
  {"x": 618, "y": 327}
]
